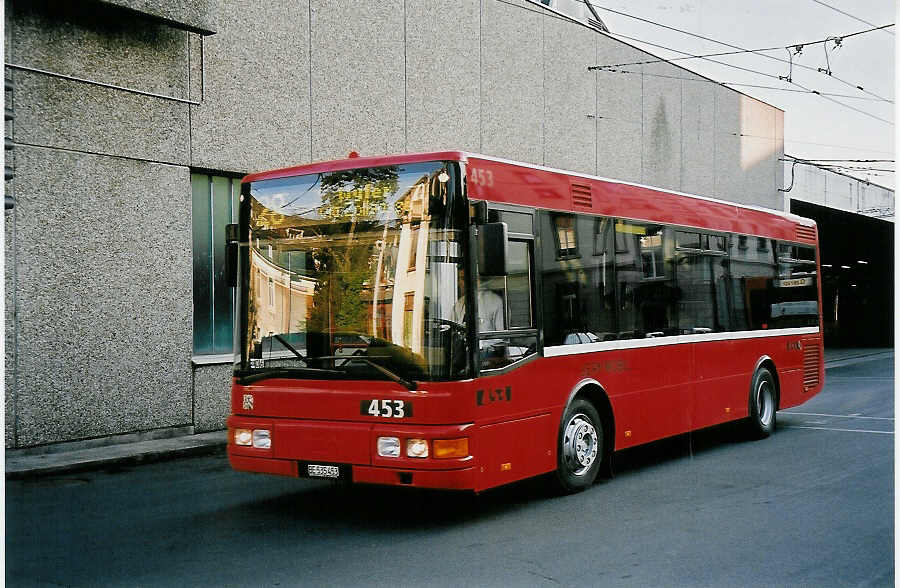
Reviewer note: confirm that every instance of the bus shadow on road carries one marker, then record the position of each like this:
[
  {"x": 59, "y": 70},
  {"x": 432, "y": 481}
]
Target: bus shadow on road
[
  {"x": 682, "y": 446},
  {"x": 323, "y": 505}
]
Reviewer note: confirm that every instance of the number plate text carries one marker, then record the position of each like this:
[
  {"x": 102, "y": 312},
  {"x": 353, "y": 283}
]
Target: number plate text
[{"x": 388, "y": 409}]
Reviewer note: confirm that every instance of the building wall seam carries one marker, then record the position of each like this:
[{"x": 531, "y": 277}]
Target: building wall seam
[
  {"x": 309, "y": 60},
  {"x": 101, "y": 154},
  {"x": 544, "y": 91},
  {"x": 405, "y": 80},
  {"x": 481, "y": 75}
]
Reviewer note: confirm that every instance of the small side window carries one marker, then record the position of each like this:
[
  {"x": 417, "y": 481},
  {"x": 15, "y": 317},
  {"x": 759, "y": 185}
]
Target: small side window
[
  {"x": 566, "y": 237},
  {"x": 687, "y": 240}
]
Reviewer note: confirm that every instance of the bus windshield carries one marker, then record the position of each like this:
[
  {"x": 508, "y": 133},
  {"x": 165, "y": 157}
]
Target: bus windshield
[{"x": 355, "y": 274}]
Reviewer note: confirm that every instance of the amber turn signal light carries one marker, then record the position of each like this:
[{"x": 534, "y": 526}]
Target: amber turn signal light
[{"x": 448, "y": 448}]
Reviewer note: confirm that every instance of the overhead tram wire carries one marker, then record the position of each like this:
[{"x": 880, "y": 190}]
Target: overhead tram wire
[
  {"x": 723, "y": 43},
  {"x": 739, "y": 51},
  {"x": 615, "y": 66},
  {"x": 854, "y": 168},
  {"x": 850, "y": 15},
  {"x": 863, "y": 112},
  {"x": 792, "y": 158},
  {"x": 838, "y": 163},
  {"x": 808, "y": 92},
  {"x": 845, "y": 169},
  {"x": 638, "y": 73}
]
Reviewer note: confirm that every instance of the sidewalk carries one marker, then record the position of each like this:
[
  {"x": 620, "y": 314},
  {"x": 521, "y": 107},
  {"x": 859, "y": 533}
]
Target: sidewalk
[
  {"x": 27, "y": 463},
  {"x": 21, "y": 465},
  {"x": 839, "y": 357}
]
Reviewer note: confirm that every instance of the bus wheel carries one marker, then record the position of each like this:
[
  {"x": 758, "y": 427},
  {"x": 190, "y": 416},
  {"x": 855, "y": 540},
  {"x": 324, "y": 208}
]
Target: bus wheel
[
  {"x": 762, "y": 404},
  {"x": 580, "y": 451}
]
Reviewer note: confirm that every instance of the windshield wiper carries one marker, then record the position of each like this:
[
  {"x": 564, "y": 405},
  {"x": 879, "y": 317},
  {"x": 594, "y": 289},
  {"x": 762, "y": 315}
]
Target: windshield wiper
[
  {"x": 411, "y": 385},
  {"x": 293, "y": 372},
  {"x": 291, "y": 348},
  {"x": 397, "y": 378}
]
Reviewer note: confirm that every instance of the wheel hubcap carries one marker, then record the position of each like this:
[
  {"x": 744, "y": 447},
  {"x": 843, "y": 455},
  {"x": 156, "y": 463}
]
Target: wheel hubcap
[
  {"x": 580, "y": 444},
  {"x": 765, "y": 403}
]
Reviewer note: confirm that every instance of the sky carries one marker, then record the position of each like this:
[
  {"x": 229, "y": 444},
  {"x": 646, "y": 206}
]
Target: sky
[{"x": 814, "y": 126}]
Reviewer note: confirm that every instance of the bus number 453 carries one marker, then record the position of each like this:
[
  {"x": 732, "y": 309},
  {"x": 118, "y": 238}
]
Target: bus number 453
[{"x": 396, "y": 409}]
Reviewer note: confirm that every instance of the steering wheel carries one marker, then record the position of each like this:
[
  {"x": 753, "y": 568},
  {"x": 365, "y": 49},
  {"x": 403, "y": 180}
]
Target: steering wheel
[{"x": 447, "y": 325}]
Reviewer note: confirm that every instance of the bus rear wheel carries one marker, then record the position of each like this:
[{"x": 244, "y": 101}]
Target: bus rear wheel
[
  {"x": 580, "y": 448},
  {"x": 763, "y": 404}
]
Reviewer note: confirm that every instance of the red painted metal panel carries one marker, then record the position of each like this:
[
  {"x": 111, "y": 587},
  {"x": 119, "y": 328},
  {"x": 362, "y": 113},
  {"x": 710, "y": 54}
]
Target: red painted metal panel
[
  {"x": 279, "y": 467},
  {"x": 463, "y": 479},
  {"x": 434, "y": 403},
  {"x": 722, "y": 390},
  {"x": 322, "y": 441},
  {"x": 515, "y": 450}
]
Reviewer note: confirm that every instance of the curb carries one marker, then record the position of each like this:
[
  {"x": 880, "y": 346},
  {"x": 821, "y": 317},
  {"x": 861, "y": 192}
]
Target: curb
[
  {"x": 854, "y": 359},
  {"x": 30, "y": 466}
]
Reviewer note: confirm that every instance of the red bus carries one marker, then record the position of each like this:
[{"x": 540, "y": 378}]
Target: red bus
[{"x": 452, "y": 320}]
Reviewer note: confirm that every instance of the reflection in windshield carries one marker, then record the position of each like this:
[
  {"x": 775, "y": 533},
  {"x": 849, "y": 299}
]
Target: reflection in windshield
[{"x": 353, "y": 268}]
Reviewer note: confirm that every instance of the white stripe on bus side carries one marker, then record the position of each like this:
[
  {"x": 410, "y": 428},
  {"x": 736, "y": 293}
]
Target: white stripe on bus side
[{"x": 558, "y": 350}]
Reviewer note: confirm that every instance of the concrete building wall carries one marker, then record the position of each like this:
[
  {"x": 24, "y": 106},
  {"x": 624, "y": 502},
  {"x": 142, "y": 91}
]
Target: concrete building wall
[{"x": 99, "y": 244}]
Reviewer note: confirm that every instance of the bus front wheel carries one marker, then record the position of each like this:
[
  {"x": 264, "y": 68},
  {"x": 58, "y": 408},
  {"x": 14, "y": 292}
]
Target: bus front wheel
[
  {"x": 763, "y": 403},
  {"x": 580, "y": 448}
]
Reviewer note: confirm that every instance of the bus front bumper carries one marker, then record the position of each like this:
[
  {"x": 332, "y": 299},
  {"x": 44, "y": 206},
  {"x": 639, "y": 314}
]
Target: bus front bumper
[
  {"x": 462, "y": 479},
  {"x": 347, "y": 451}
]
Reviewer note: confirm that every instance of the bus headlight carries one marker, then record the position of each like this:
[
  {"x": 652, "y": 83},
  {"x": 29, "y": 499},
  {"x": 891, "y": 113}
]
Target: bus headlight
[
  {"x": 242, "y": 437},
  {"x": 262, "y": 439},
  {"x": 416, "y": 448},
  {"x": 388, "y": 447}
]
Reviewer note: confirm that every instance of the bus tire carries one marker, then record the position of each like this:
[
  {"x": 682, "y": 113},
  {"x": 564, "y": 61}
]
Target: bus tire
[
  {"x": 580, "y": 450},
  {"x": 763, "y": 404}
]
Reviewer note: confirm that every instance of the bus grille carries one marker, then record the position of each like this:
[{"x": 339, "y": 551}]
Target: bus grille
[
  {"x": 581, "y": 195},
  {"x": 805, "y": 233},
  {"x": 811, "y": 358}
]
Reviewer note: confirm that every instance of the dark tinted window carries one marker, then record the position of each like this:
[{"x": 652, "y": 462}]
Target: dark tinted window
[
  {"x": 517, "y": 222},
  {"x": 795, "y": 293},
  {"x": 578, "y": 294},
  {"x": 702, "y": 291},
  {"x": 647, "y": 293},
  {"x": 688, "y": 240},
  {"x": 717, "y": 243},
  {"x": 752, "y": 271},
  {"x": 518, "y": 285},
  {"x": 564, "y": 232}
]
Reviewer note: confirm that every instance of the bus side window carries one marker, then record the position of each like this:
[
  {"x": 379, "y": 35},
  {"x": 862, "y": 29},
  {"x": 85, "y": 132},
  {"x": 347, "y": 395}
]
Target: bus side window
[
  {"x": 700, "y": 275},
  {"x": 648, "y": 293},
  {"x": 794, "y": 295},
  {"x": 515, "y": 291},
  {"x": 579, "y": 293},
  {"x": 518, "y": 284},
  {"x": 752, "y": 272}
]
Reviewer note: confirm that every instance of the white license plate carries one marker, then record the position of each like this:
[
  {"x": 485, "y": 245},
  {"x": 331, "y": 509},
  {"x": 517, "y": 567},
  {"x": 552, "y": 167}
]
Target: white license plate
[{"x": 323, "y": 471}]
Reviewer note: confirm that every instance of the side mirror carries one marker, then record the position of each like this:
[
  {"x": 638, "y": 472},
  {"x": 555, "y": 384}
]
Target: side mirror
[
  {"x": 232, "y": 238},
  {"x": 492, "y": 249}
]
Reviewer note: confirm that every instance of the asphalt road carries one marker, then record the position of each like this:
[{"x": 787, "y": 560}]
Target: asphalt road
[{"x": 812, "y": 505}]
